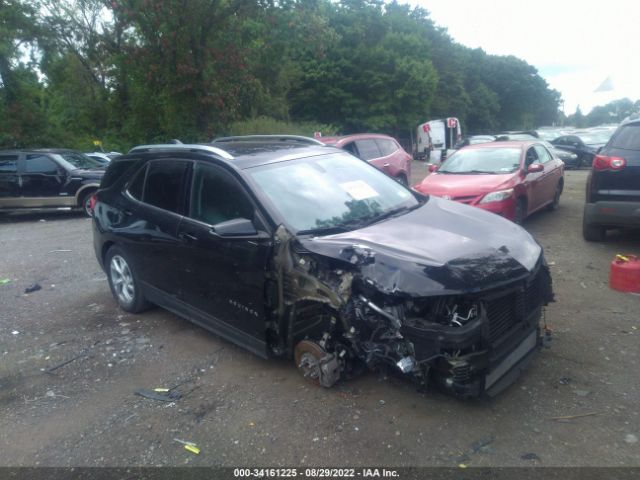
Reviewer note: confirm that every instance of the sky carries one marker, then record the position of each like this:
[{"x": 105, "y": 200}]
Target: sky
[{"x": 576, "y": 46}]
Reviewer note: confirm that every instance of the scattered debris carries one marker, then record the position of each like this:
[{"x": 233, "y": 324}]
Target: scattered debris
[
  {"x": 582, "y": 393},
  {"x": 33, "y": 288},
  {"x": 189, "y": 446},
  {"x": 170, "y": 396},
  {"x": 84, "y": 353},
  {"x": 630, "y": 438},
  {"x": 58, "y": 251},
  {"x": 564, "y": 380},
  {"x": 5, "y": 281},
  {"x": 571, "y": 417},
  {"x": 15, "y": 332},
  {"x": 530, "y": 456},
  {"x": 482, "y": 444}
]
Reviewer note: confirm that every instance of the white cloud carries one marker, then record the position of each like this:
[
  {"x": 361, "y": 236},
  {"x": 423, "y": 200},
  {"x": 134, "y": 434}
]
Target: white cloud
[{"x": 574, "y": 45}]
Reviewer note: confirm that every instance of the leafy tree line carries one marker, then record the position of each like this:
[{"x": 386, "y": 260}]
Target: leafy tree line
[
  {"x": 612, "y": 112},
  {"x": 134, "y": 71}
]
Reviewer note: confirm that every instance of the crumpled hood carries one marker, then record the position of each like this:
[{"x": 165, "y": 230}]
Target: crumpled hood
[{"x": 441, "y": 247}]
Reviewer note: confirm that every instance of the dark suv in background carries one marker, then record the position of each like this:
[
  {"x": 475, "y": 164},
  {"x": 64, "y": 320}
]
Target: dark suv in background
[
  {"x": 613, "y": 185},
  {"x": 47, "y": 178}
]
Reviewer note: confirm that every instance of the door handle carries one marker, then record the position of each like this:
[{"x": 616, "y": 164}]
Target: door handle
[
  {"x": 386, "y": 165},
  {"x": 187, "y": 237}
]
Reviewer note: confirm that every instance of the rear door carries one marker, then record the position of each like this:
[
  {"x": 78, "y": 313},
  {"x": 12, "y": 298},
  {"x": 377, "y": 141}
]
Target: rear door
[
  {"x": 9, "y": 180},
  {"x": 368, "y": 150},
  {"x": 391, "y": 160},
  {"x": 623, "y": 184},
  {"x": 225, "y": 277},
  {"x": 157, "y": 199}
]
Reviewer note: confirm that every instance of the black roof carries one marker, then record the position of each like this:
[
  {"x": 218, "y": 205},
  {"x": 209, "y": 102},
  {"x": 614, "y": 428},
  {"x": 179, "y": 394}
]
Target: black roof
[{"x": 249, "y": 151}]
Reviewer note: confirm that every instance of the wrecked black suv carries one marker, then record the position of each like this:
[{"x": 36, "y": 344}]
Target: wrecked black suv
[{"x": 291, "y": 248}]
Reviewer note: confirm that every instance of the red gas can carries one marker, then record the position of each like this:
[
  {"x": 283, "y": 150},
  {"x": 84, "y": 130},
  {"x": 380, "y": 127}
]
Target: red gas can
[{"x": 625, "y": 274}]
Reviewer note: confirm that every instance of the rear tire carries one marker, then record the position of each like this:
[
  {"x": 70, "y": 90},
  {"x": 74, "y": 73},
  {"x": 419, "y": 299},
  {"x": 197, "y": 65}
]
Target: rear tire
[
  {"x": 592, "y": 232},
  {"x": 124, "y": 282}
]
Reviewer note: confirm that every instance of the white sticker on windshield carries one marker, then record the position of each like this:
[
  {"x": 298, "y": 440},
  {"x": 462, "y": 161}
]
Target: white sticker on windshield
[{"x": 359, "y": 190}]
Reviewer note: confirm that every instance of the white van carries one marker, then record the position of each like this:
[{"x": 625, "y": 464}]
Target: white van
[{"x": 436, "y": 137}]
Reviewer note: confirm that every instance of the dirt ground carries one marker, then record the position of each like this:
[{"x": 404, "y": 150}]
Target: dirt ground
[{"x": 245, "y": 411}]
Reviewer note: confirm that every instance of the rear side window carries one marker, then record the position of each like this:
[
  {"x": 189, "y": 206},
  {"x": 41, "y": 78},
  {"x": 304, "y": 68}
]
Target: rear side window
[
  {"x": 136, "y": 187},
  {"x": 368, "y": 149},
  {"x": 164, "y": 184},
  {"x": 8, "y": 163},
  {"x": 41, "y": 164},
  {"x": 628, "y": 138},
  {"x": 216, "y": 197},
  {"x": 386, "y": 146},
  {"x": 115, "y": 171}
]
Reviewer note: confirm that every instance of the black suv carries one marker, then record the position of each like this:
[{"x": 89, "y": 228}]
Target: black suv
[
  {"x": 51, "y": 178},
  {"x": 613, "y": 185},
  {"x": 290, "y": 248}
]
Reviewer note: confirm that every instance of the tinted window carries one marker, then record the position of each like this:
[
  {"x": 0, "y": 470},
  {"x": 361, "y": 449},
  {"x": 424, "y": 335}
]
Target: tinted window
[
  {"x": 387, "y": 147},
  {"x": 115, "y": 171},
  {"x": 368, "y": 149},
  {"x": 351, "y": 148},
  {"x": 216, "y": 197},
  {"x": 163, "y": 185},
  {"x": 8, "y": 163},
  {"x": 543, "y": 155},
  {"x": 136, "y": 187},
  {"x": 628, "y": 138},
  {"x": 41, "y": 164}
]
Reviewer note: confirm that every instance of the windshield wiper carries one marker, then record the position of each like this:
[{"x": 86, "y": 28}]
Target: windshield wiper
[{"x": 324, "y": 230}]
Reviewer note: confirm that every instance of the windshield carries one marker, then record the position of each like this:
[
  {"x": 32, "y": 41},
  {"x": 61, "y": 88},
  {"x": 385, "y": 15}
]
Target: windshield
[
  {"x": 482, "y": 160},
  {"x": 78, "y": 160},
  {"x": 330, "y": 191}
]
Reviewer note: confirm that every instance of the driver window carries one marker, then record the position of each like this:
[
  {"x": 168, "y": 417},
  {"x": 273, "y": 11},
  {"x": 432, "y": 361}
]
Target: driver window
[
  {"x": 216, "y": 197},
  {"x": 532, "y": 157}
]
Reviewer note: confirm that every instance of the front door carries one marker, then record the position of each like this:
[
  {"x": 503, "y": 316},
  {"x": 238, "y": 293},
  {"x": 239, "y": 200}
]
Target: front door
[
  {"x": 224, "y": 277},
  {"x": 42, "y": 183}
]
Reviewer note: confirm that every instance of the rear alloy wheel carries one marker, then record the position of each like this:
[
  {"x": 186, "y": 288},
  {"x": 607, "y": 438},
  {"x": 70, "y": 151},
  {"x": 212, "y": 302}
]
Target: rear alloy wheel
[
  {"x": 123, "y": 282},
  {"x": 520, "y": 211},
  {"x": 556, "y": 197}
]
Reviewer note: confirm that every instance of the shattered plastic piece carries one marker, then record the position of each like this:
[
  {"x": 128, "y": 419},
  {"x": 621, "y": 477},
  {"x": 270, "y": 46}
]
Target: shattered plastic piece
[
  {"x": 192, "y": 449},
  {"x": 15, "y": 332},
  {"x": 5, "y": 281},
  {"x": 33, "y": 288},
  {"x": 151, "y": 395}
]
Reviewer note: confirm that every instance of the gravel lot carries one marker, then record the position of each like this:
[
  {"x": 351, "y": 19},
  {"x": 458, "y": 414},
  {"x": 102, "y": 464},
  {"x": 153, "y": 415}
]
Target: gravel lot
[{"x": 245, "y": 411}]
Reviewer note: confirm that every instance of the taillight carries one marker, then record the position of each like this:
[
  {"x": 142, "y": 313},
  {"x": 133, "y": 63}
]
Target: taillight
[
  {"x": 602, "y": 162},
  {"x": 92, "y": 201}
]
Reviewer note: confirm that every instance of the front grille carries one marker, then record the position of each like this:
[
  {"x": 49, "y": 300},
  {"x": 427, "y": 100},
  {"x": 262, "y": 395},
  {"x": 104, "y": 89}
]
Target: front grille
[
  {"x": 510, "y": 310},
  {"x": 464, "y": 199}
]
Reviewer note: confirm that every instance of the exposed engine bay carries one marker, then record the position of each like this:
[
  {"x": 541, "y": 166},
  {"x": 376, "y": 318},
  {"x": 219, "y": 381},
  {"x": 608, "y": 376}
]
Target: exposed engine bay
[{"x": 336, "y": 317}]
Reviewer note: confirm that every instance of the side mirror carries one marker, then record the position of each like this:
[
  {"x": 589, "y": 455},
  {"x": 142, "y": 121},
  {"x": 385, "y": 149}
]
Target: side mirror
[
  {"x": 433, "y": 167},
  {"x": 237, "y": 227},
  {"x": 535, "y": 168}
]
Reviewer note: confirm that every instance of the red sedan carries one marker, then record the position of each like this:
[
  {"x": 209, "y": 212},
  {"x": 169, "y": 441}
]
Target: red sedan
[{"x": 512, "y": 179}]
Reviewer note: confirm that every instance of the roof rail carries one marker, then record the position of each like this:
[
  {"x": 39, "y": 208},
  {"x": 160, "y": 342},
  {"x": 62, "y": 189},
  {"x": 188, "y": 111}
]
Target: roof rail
[
  {"x": 292, "y": 139},
  {"x": 190, "y": 147}
]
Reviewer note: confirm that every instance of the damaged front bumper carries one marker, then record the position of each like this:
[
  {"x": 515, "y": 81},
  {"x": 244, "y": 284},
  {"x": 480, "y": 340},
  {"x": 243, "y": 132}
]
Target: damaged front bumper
[{"x": 487, "y": 354}]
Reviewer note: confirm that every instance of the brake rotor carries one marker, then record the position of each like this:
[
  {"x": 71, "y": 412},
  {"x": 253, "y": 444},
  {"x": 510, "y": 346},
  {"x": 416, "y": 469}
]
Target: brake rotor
[{"x": 307, "y": 355}]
